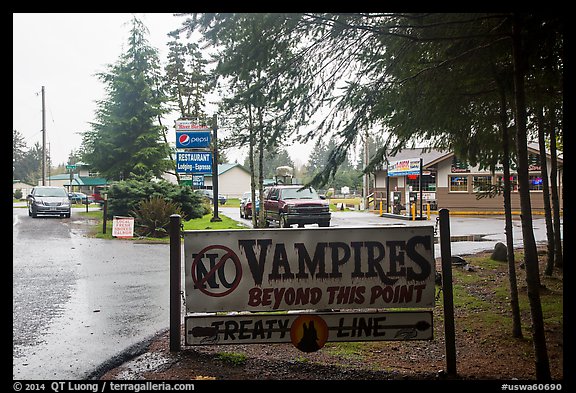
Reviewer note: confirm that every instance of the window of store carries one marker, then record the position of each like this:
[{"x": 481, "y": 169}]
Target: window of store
[
  {"x": 513, "y": 182},
  {"x": 481, "y": 183},
  {"x": 458, "y": 183},
  {"x": 535, "y": 182},
  {"x": 428, "y": 183}
]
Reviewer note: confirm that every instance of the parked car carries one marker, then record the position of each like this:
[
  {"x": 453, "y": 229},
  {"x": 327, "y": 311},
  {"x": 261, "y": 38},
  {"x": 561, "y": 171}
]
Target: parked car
[
  {"x": 97, "y": 198},
  {"x": 210, "y": 195},
  {"x": 48, "y": 200},
  {"x": 80, "y": 197},
  {"x": 292, "y": 204},
  {"x": 246, "y": 205}
]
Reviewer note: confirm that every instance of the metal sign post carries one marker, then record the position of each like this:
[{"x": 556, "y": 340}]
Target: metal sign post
[{"x": 175, "y": 272}]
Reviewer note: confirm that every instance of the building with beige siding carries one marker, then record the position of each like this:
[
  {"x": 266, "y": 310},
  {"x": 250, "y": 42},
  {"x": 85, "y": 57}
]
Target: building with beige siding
[
  {"x": 455, "y": 185},
  {"x": 233, "y": 180}
]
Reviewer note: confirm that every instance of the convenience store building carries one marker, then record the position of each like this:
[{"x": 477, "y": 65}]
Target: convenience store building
[{"x": 450, "y": 183}]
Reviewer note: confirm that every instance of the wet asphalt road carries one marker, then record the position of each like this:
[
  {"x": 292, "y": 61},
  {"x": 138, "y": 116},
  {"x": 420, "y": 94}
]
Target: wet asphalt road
[{"x": 79, "y": 302}]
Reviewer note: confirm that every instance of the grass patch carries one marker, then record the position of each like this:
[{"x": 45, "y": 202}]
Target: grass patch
[
  {"x": 347, "y": 350},
  {"x": 234, "y": 358},
  {"x": 483, "y": 295},
  {"x": 232, "y": 202},
  {"x": 205, "y": 222}
]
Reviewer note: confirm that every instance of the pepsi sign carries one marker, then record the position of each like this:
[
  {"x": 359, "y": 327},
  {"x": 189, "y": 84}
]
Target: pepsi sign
[{"x": 192, "y": 139}]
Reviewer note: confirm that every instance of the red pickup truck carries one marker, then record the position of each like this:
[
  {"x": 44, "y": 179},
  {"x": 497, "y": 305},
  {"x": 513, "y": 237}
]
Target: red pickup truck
[{"x": 292, "y": 204}]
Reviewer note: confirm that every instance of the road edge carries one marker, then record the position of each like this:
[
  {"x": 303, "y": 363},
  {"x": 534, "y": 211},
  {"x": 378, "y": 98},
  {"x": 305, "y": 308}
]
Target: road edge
[{"x": 126, "y": 355}]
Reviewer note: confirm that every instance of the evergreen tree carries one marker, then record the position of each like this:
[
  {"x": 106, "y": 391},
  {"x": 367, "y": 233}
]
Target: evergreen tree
[
  {"x": 262, "y": 84},
  {"x": 30, "y": 166},
  {"x": 124, "y": 140},
  {"x": 18, "y": 152},
  {"x": 186, "y": 80}
]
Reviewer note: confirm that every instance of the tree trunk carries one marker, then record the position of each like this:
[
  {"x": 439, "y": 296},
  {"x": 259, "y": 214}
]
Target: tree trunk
[
  {"x": 545, "y": 190},
  {"x": 559, "y": 261},
  {"x": 530, "y": 253},
  {"x": 251, "y": 164},
  {"x": 514, "y": 304},
  {"x": 164, "y": 129},
  {"x": 261, "y": 145}
]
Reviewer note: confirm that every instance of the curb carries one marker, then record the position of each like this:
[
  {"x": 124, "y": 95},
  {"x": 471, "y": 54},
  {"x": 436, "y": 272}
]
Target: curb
[{"x": 126, "y": 355}]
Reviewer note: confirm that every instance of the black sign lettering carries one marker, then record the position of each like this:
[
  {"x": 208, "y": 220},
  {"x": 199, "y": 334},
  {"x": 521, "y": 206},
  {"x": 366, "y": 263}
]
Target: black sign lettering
[
  {"x": 336, "y": 260},
  {"x": 256, "y": 264},
  {"x": 316, "y": 266},
  {"x": 419, "y": 259}
]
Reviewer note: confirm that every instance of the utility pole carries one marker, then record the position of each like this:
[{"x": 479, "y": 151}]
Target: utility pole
[
  {"x": 43, "y": 140},
  {"x": 48, "y": 165}
]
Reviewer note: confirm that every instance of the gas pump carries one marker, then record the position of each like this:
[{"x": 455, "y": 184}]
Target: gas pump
[
  {"x": 396, "y": 198},
  {"x": 412, "y": 201}
]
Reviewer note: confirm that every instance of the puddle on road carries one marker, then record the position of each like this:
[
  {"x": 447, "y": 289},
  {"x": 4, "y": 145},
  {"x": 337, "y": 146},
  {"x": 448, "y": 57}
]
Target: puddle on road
[
  {"x": 469, "y": 238},
  {"x": 466, "y": 238}
]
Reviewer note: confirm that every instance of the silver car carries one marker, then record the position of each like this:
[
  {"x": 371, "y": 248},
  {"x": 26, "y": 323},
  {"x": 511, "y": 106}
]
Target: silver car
[{"x": 48, "y": 200}]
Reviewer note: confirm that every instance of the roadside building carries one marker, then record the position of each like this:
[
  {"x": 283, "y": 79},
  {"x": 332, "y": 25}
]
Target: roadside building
[
  {"x": 450, "y": 183},
  {"x": 24, "y": 187},
  {"x": 82, "y": 180},
  {"x": 233, "y": 180}
]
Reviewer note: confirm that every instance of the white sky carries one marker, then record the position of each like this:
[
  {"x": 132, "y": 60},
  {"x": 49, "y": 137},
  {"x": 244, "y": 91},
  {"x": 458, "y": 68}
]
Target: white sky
[{"x": 63, "y": 52}]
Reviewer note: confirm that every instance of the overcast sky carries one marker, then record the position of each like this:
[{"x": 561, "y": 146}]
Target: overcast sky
[{"x": 63, "y": 52}]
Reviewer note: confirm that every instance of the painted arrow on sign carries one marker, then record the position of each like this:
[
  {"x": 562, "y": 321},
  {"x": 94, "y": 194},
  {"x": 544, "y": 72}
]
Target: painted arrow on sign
[{"x": 277, "y": 328}]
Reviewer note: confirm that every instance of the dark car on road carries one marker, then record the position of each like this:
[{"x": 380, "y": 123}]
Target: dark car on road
[
  {"x": 80, "y": 197},
  {"x": 293, "y": 204},
  {"x": 210, "y": 195},
  {"x": 48, "y": 200}
]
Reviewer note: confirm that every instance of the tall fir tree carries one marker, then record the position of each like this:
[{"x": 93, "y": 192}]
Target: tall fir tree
[{"x": 125, "y": 140}]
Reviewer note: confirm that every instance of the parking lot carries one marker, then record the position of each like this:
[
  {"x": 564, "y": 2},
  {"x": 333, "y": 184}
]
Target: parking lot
[{"x": 468, "y": 234}]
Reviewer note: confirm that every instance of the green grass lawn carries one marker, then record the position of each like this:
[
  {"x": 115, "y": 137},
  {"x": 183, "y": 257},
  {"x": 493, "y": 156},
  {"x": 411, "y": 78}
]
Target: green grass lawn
[{"x": 203, "y": 223}]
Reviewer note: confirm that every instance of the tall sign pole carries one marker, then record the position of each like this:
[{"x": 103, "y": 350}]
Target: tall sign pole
[
  {"x": 420, "y": 183},
  {"x": 215, "y": 171},
  {"x": 43, "y": 140},
  {"x": 366, "y": 176}
]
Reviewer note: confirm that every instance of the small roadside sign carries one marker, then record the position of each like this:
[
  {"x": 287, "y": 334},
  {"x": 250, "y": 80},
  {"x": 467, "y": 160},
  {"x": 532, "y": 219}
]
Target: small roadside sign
[
  {"x": 189, "y": 125},
  {"x": 123, "y": 227},
  {"x": 70, "y": 167},
  {"x": 198, "y": 180}
]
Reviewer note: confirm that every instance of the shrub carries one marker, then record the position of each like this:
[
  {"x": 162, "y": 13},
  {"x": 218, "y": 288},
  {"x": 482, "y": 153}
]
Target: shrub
[
  {"x": 152, "y": 218},
  {"x": 125, "y": 196},
  {"x": 18, "y": 194}
]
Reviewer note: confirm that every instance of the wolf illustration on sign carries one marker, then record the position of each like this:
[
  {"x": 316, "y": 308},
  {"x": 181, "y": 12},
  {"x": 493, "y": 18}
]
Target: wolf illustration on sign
[{"x": 309, "y": 343}]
